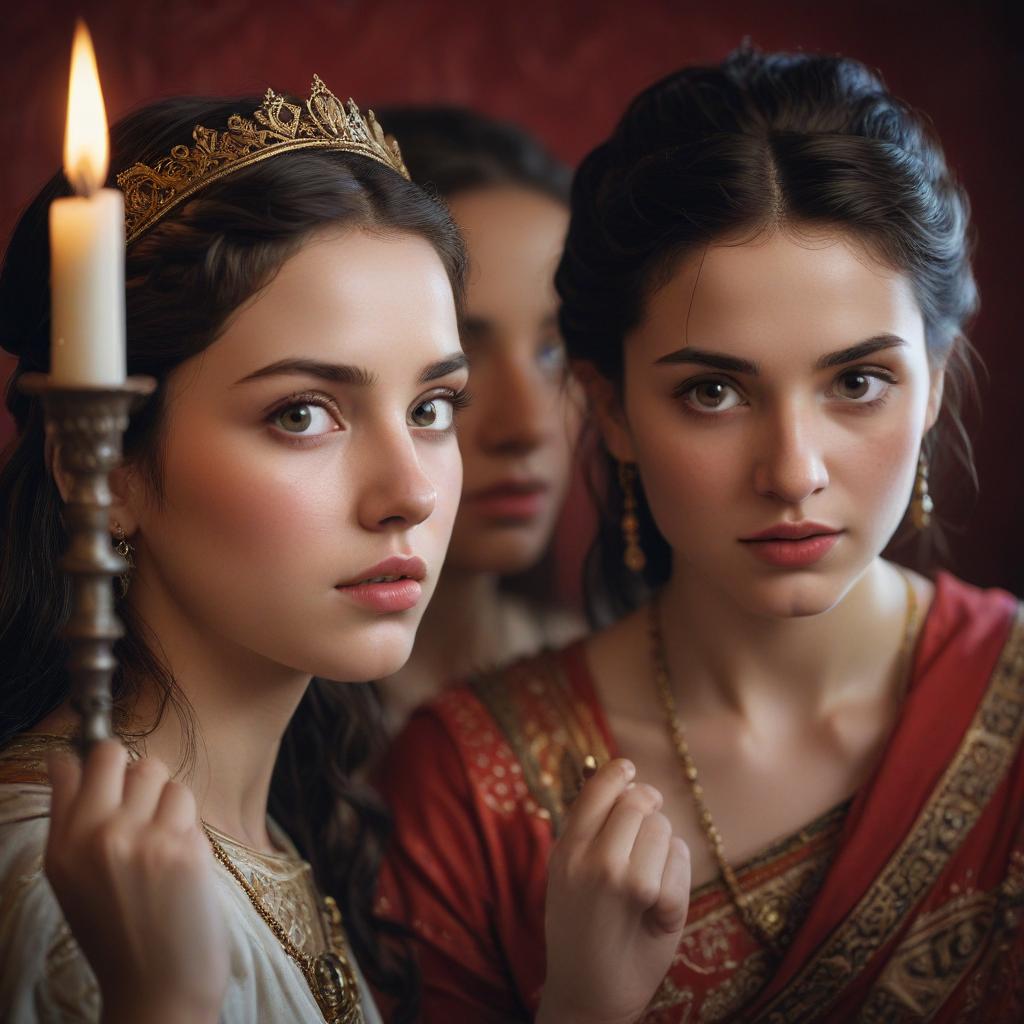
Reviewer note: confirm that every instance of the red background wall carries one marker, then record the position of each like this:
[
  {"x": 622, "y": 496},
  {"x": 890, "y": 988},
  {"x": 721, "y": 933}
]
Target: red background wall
[{"x": 565, "y": 69}]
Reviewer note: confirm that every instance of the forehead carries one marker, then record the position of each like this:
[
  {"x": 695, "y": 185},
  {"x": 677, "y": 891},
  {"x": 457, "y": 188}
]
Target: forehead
[
  {"x": 510, "y": 228},
  {"x": 352, "y": 297},
  {"x": 781, "y": 293}
]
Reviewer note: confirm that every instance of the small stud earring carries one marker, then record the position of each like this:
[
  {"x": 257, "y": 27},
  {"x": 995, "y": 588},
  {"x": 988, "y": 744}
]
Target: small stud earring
[{"x": 127, "y": 551}]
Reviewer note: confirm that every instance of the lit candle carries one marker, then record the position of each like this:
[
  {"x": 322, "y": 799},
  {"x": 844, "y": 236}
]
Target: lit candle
[{"x": 87, "y": 241}]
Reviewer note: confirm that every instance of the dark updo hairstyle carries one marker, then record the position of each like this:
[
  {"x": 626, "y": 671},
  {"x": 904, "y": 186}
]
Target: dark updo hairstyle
[
  {"x": 761, "y": 140},
  {"x": 184, "y": 278},
  {"x": 451, "y": 149}
]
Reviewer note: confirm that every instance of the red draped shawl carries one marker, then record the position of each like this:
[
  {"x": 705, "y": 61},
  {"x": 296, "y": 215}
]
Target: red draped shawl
[{"x": 905, "y": 903}]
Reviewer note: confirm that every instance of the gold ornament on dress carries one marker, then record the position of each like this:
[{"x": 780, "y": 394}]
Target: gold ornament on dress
[
  {"x": 329, "y": 975},
  {"x": 765, "y": 919},
  {"x": 277, "y": 126}
]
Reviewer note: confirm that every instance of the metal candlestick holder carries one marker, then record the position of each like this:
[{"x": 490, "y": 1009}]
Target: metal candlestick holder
[{"x": 85, "y": 425}]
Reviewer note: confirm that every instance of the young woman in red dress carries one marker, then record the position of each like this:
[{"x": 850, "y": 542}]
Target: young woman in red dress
[{"x": 764, "y": 290}]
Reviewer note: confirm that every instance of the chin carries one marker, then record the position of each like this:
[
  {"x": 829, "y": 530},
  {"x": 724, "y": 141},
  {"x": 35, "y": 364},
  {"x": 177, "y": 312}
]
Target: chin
[
  {"x": 373, "y": 652},
  {"x": 504, "y": 553},
  {"x": 793, "y": 596}
]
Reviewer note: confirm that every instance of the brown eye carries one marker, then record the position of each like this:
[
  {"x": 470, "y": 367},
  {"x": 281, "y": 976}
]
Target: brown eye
[
  {"x": 433, "y": 414},
  {"x": 424, "y": 414},
  {"x": 712, "y": 393},
  {"x": 861, "y": 387},
  {"x": 854, "y": 385},
  {"x": 296, "y": 419},
  {"x": 305, "y": 418},
  {"x": 711, "y": 396}
]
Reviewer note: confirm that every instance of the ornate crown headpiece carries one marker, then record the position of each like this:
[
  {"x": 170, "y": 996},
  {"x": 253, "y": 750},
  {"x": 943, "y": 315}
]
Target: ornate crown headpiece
[{"x": 276, "y": 127}]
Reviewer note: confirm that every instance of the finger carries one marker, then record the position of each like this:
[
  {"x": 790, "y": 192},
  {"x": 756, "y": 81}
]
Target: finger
[
  {"x": 668, "y": 915},
  {"x": 176, "y": 809},
  {"x": 102, "y": 784},
  {"x": 596, "y": 799},
  {"x": 614, "y": 842},
  {"x": 144, "y": 782},
  {"x": 647, "y": 860},
  {"x": 65, "y": 778}
]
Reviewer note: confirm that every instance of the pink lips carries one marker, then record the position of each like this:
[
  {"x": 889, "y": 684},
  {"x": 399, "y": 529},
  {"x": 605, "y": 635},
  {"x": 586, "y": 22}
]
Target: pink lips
[
  {"x": 393, "y": 585},
  {"x": 792, "y": 545},
  {"x": 510, "y": 500}
]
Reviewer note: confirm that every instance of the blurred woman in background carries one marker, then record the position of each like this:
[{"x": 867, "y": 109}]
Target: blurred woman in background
[{"x": 496, "y": 599}]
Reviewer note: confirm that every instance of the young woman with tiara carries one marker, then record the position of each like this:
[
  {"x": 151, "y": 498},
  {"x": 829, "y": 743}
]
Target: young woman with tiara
[
  {"x": 493, "y": 603},
  {"x": 764, "y": 290},
  {"x": 286, "y": 497}
]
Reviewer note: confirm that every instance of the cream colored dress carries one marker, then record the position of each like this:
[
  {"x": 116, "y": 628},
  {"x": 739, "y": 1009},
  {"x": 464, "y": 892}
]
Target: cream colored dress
[{"x": 45, "y": 978}]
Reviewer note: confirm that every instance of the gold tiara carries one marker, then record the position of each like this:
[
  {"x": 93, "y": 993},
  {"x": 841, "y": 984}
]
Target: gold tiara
[{"x": 276, "y": 127}]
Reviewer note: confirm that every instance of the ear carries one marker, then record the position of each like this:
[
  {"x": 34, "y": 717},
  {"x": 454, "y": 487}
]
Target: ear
[
  {"x": 935, "y": 392},
  {"x": 605, "y": 401},
  {"x": 123, "y": 490}
]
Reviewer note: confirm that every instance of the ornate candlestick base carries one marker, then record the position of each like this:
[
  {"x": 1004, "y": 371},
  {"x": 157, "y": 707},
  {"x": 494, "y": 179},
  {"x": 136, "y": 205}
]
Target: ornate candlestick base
[{"x": 85, "y": 425}]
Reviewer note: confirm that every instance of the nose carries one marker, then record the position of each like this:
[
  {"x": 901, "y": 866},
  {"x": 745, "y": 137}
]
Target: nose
[
  {"x": 517, "y": 403},
  {"x": 790, "y": 465},
  {"x": 396, "y": 493}
]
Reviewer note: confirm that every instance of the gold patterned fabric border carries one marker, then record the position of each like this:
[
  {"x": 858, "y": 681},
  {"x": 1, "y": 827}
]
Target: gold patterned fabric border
[
  {"x": 942, "y": 947},
  {"x": 548, "y": 728},
  {"x": 980, "y": 764},
  {"x": 23, "y": 759}
]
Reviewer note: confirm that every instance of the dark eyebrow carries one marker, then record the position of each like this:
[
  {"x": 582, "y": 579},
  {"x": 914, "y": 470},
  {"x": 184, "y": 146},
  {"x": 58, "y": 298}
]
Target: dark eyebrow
[
  {"x": 860, "y": 351},
  {"x": 733, "y": 365},
  {"x": 337, "y": 373},
  {"x": 456, "y": 361},
  {"x": 712, "y": 359}
]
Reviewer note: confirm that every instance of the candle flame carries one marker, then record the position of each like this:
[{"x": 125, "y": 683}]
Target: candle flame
[{"x": 86, "y": 149}]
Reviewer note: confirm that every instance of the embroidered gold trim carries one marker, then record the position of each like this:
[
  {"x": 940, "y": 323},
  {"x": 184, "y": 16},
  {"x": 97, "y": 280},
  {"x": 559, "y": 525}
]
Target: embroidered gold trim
[
  {"x": 23, "y": 759},
  {"x": 551, "y": 752},
  {"x": 980, "y": 763},
  {"x": 930, "y": 962}
]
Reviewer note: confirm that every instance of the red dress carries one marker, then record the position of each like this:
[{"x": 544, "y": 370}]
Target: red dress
[{"x": 904, "y": 904}]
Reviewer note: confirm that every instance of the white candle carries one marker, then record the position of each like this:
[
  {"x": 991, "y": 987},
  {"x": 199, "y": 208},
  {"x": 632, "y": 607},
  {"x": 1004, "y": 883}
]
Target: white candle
[{"x": 87, "y": 242}]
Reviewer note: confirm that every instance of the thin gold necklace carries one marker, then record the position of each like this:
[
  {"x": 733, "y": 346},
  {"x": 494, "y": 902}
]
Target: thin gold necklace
[
  {"x": 764, "y": 919},
  {"x": 329, "y": 975}
]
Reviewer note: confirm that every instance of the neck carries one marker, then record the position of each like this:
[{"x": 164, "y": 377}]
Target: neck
[
  {"x": 462, "y": 630},
  {"x": 463, "y": 622},
  {"x": 236, "y": 709},
  {"x": 750, "y": 664}
]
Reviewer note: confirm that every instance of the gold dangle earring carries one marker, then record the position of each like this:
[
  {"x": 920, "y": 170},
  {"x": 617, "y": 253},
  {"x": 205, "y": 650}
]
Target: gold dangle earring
[
  {"x": 633, "y": 555},
  {"x": 921, "y": 505},
  {"x": 127, "y": 552}
]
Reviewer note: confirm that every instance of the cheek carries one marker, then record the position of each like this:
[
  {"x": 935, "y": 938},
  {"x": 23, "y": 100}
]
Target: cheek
[
  {"x": 879, "y": 468},
  {"x": 688, "y": 466},
  {"x": 250, "y": 498}
]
